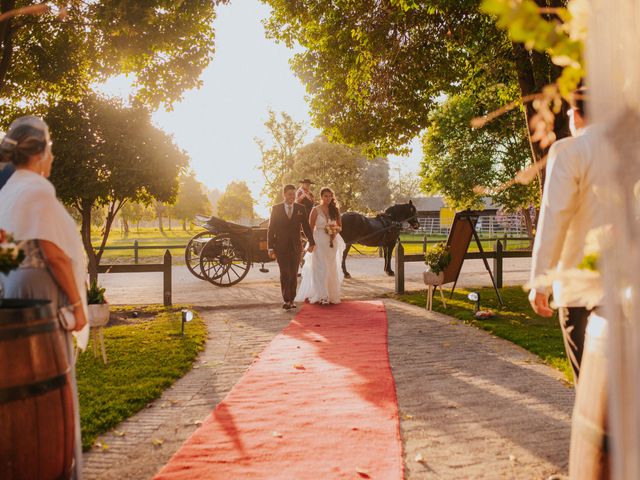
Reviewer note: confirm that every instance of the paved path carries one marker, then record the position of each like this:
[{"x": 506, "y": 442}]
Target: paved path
[
  {"x": 258, "y": 288},
  {"x": 472, "y": 406}
]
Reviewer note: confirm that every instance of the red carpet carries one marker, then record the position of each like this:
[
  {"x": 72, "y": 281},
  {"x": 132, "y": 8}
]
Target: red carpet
[{"x": 319, "y": 403}]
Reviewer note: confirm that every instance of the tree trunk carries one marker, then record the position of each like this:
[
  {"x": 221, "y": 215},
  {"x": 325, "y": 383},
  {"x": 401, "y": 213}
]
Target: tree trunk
[
  {"x": 159, "y": 209},
  {"x": 85, "y": 232},
  {"x": 184, "y": 224},
  {"x": 125, "y": 226},
  {"x": 94, "y": 256},
  {"x": 528, "y": 223},
  {"x": 527, "y": 65}
]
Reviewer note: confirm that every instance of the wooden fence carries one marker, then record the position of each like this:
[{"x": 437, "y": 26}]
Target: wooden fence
[
  {"x": 498, "y": 254},
  {"x": 164, "y": 268}
]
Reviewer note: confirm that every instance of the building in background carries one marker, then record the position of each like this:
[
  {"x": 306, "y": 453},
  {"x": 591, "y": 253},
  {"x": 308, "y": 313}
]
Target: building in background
[{"x": 435, "y": 218}]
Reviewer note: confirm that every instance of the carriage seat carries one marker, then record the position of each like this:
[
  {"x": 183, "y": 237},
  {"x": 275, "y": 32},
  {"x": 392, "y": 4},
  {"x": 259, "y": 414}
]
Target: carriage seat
[{"x": 218, "y": 225}]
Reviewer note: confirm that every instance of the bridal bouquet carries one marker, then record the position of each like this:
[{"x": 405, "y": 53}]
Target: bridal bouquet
[
  {"x": 332, "y": 229},
  {"x": 11, "y": 255}
]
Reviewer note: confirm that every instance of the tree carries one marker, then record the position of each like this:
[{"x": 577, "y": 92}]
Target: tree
[
  {"x": 107, "y": 154},
  {"x": 376, "y": 191},
  {"x": 214, "y": 195},
  {"x": 191, "y": 200},
  {"x": 163, "y": 45},
  {"x": 374, "y": 71},
  {"x": 236, "y": 203},
  {"x": 134, "y": 212},
  {"x": 407, "y": 186},
  {"x": 458, "y": 158},
  {"x": 160, "y": 209},
  {"x": 287, "y": 136},
  {"x": 359, "y": 183}
]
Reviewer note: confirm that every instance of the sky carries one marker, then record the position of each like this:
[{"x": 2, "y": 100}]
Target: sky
[{"x": 217, "y": 124}]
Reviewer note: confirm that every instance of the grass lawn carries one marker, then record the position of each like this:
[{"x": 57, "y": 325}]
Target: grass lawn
[
  {"x": 145, "y": 236},
  {"x": 177, "y": 236},
  {"x": 516, "y": 322},
  {"x": 146, "y": 355}
]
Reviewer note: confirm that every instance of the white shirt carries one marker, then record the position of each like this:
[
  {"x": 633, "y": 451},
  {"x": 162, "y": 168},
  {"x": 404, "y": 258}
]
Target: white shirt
[
  {"x": 570, "y": 206},
  {"x": 288, "y": 208}
]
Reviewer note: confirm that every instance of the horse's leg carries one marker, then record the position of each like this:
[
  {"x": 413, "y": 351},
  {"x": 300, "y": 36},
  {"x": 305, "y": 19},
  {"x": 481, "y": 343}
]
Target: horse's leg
[
  {"x": 388, "y": 253},
  {"x": 344, "y": 261}
]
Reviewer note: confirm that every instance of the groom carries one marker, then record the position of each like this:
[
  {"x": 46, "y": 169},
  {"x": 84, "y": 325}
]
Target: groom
[{"x": 284, "y": 241}]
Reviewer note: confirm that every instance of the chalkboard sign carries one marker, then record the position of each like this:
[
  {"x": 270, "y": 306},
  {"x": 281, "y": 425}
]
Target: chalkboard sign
[
  {"x": 463, "y": 229},
  {"x": 458, "y": 242}
]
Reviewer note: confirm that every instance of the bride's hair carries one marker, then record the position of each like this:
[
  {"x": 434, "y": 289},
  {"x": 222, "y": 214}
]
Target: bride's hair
[{"x": 333, "y": 207}]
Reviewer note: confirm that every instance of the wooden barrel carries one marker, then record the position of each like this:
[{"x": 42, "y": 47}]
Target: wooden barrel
[
  {"x": 589, "y": 457},
  {"x": 36, "y": 402}
]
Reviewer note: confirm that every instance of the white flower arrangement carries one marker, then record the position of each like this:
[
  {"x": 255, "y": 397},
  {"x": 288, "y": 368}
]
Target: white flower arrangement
[{"x": 332, "y": 229}]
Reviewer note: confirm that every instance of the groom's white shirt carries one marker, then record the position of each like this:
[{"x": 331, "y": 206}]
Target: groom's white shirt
[{"x": 570, "y": 206}]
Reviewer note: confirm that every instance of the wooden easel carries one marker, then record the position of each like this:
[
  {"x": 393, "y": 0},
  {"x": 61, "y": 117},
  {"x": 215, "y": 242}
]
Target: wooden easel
[
  {"x": 431, "y": 290},
  {"x": 463, "y": 229}
]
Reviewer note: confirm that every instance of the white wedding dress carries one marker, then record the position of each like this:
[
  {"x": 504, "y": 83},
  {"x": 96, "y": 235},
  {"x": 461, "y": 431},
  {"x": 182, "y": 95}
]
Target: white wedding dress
[{"x": 322, "y": 271}]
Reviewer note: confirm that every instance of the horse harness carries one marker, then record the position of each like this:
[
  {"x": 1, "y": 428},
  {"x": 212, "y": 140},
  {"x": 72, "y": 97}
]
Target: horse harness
[{"x": 388, "y": 225}]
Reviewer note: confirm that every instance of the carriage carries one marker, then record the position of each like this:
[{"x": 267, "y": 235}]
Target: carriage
[{"x": 224, "y": 253}]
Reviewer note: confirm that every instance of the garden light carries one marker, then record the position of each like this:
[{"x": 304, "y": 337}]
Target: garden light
[
  {"x": 475, "y": 297},
  {"x": 187, "y": 316}
]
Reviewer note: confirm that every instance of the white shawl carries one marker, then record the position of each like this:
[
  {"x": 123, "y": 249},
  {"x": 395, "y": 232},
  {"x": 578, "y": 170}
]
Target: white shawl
[{"x": 29, "y": 210}]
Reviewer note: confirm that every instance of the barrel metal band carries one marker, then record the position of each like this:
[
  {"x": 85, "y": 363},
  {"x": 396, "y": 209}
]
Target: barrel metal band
[
  {"x": 20, "y": 392},
  {"x": 19, "y": 332}
]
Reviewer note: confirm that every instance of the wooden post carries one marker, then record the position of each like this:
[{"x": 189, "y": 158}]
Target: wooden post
[
  {"x": 399, "y": 267},
  {"x": 497, "y": 264},
  {"x": 424, "y": 244},
  {"x": 380, "y": 252},
  {"x": 166, "y": 288},
  {"x": 135, "y": 252}
]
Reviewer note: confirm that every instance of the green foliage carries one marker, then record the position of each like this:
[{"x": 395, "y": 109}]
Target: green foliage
[
  {"x": 458, "y": 158},
  {"x": 438, "y": 257},
  {"x": 359, "y": 183},
  {"x": 375, "y": 71},
  {"x": 105, "y": 151},
  {"x": 516, "y": 322},
  {"x": 589, "y": 262},
  {"x": 107, "y": 154},
  {"x": 406, "y": 187},
  {"x": 192, "y": 199},
  {"x": 145, "y": 357},
  {"x": 286, "y": 137},
  {"x": 236, "y": 203},
  {"x": 95, "y": 294},
  {"x": 544, "y": 33},
  {"x": 163, "y": 45}
]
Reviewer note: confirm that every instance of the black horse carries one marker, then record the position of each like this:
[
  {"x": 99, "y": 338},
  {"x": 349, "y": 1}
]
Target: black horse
[{"x": 381, "y": 231}]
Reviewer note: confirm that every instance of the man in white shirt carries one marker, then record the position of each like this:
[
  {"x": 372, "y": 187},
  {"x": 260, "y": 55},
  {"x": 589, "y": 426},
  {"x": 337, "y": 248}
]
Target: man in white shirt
[{"x": 570, "y": 208}]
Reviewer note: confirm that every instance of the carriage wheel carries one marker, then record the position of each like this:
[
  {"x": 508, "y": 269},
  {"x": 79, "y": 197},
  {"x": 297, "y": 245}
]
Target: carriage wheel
[
  {"x": 192, "y": 253},
  {"x": 222, "y": 263}
]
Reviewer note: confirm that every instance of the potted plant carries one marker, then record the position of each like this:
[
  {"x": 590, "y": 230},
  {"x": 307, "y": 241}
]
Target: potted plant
[
  {"x": 436, "y": 259},
  {"x": 98, "y": 306}
]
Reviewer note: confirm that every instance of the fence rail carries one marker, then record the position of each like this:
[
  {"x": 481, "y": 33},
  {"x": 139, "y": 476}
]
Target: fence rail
[
  {"x": 498, "y": 254},
  {"x": 136, "y": 247},
  {"x": 164, "y": 268}
]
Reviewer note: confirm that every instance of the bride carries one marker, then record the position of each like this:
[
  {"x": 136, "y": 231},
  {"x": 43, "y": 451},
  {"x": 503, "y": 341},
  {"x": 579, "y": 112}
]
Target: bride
[{"x": 322, "y": 273}]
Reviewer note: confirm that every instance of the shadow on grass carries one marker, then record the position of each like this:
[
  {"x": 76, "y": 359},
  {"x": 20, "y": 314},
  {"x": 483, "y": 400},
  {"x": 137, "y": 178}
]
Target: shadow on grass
[{"x": 145, "y": 357}]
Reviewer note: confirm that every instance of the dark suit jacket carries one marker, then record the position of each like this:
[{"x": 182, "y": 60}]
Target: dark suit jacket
[{"x": 283, "y": 235}]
